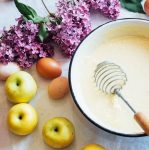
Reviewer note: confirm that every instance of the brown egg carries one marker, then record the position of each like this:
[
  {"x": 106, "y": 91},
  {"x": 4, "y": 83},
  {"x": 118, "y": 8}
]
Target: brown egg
[
  {"x": 58, "y": 88},
  {"x": 48, "y": 68}
]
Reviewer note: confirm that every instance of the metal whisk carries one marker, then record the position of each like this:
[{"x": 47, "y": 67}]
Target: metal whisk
[{"x": 110, "y": 79}]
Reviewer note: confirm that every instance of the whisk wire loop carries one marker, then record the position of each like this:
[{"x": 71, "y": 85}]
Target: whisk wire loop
[{"x": 109, "y": 77}]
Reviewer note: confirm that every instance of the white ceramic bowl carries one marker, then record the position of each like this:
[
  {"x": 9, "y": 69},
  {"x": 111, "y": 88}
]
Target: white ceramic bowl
[{"x": 132, "y": 27}]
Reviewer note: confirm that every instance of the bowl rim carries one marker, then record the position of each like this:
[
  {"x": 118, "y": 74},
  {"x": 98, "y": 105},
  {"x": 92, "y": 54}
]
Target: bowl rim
[{"x": 72, "y": 92}]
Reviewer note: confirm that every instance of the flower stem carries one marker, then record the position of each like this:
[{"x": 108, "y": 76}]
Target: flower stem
[
  {"x": 45, "y": 6},
  {"x": 51, "y": 14},
  {"x": 58, "y": 20}
]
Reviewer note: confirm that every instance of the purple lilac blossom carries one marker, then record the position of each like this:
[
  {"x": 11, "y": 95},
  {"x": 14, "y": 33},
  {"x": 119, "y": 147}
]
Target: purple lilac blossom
[
  {"x": 109, "y": 8},
  {"x": 75, "y": 25},
  {"x": 20, "y": 44}
]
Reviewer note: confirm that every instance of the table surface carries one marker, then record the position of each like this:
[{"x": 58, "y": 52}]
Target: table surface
[{"x": 47, "y": 108}]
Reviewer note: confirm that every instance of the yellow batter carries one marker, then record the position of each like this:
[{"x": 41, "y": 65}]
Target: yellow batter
[{"x": 132, "y": 54}]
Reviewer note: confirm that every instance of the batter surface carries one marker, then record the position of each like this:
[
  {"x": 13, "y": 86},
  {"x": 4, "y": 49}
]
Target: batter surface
[{"x": 132, "y": 54}]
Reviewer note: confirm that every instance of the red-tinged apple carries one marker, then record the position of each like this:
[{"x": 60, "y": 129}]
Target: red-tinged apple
[
  {"x": 8, "y": 69},
  {"x": 20, "y": 87},
  {"x": 93, "y": 147},
  {"x": 58, "y": 132},
  {"x": 146, "y": 7},
  {"x": 22, "y": 119}
]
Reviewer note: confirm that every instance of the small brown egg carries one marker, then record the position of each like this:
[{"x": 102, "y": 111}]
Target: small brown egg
[
  {"x": 48, "y": 68},
  {"x": 58, "y": 88}
]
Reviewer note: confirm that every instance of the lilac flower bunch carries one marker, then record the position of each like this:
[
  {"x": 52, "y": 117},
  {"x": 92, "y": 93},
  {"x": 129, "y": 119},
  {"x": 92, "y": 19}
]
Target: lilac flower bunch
[
  {"x": 31, "y": 38},
  {"x": 109, "y": 8},
  {"x": 20, "y": 44},
  {"x": 75, "y": 25}
]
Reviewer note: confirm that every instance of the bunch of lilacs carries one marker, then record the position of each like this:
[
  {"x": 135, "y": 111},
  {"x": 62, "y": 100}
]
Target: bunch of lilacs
[
  {"x": 74, "y": 26},
  {"x": 20, "y": 44},
  {"x": 31, "y": 38},
  {"x": 75, "y": 21},
  {"x": 109, "y": 8}
]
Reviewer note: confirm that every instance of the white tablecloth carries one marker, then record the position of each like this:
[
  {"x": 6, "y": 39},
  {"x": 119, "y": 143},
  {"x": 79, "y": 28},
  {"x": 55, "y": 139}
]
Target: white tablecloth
[{"x": 47, "y": 108}]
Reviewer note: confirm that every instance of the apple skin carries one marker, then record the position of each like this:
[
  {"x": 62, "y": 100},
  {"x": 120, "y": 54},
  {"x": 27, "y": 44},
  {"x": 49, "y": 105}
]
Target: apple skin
[
  {"x": 8, "y": 69},
  {"x": 146, "y": 7},
  {"x": 22, "y": 119},
  {"x": 93, "y": 147},
  {"x": 58, "y": 132},
  {"x": 20, "y": 87}
]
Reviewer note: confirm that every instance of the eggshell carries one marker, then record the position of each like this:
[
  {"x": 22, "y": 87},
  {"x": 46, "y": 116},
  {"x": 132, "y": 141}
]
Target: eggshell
[
  {"x": 8, "y": 69},
  {"x": 58, "y": 88},
  {"x": 48, "y": 68}
]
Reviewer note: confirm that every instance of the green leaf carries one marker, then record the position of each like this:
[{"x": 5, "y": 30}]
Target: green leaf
[
  {"x": 43, "y": 32},
  {"x": 29, "y": 13},
  {"x": 132, "y": 5},
  {"x": 25, "y": 10},
  {"x": 136, "y": 1},
  {"x": 45, "y": 19},
  {"x": 131, "y": 1},
  {"x": 39, "y": 19},
  {"x": 25, "y": 19}
]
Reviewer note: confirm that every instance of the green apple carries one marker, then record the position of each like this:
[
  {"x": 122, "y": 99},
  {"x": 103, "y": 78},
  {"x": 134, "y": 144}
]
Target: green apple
[
  {"x": 58, "y": 132},
  {"x": 20, "y": 87},
  {"x": 93, "y": 147},
  {"x": 22, "y": 119}
]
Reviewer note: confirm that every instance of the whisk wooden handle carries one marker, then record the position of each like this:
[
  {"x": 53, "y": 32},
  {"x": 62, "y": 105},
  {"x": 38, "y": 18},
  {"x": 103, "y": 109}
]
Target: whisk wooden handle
[
  {"x": 110, "y": 79},
  {"x": 143, "y": 121}
]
